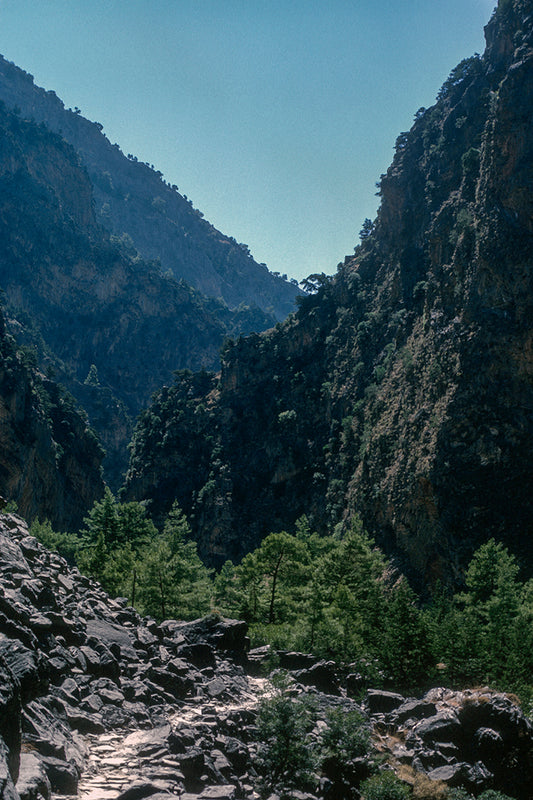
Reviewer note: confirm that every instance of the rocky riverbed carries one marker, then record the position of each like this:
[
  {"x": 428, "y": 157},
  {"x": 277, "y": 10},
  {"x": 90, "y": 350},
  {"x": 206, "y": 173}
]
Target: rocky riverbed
[{"x": 101, "y": 704}]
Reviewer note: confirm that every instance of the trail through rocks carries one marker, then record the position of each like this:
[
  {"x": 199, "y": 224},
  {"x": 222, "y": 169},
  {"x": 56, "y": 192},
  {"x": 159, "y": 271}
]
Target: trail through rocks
[
  {"x": 97, "y": 703},
  {"x": 119, "y": 761}
]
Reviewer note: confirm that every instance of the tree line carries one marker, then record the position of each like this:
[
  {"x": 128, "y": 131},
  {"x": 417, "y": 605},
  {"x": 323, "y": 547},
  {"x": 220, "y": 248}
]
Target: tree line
[{"x": 336, "y": 596}]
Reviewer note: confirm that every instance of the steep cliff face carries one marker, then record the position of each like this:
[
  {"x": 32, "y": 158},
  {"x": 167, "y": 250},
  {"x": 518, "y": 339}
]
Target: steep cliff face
[
  {"x": 50, "y": 461},
  {"x": 132, "y": 198},
  {"x": 444, "y": 461},
  {"x": 83, "y": 298},
  {"x": 410, "y": 373}
]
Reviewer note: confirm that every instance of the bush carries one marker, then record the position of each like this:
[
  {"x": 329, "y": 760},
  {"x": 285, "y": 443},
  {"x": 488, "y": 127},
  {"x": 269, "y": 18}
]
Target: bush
[
  {"x": 286, "y": 758},
  {"x": 385, "y": 786},
  {"x": 346, "y": 736}
]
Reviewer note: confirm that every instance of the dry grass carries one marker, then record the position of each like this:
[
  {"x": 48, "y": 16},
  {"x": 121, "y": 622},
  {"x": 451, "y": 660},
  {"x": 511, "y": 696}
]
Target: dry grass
[{"x": 426, "y": 789}]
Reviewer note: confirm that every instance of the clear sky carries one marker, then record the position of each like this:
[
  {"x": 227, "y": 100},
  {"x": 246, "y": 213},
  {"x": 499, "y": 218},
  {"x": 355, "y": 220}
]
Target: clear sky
[{"x": 275, "y": 117}]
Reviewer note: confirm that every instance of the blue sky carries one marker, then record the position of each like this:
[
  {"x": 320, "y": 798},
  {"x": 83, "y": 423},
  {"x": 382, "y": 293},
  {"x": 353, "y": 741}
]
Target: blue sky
[{"x": 275, "y": 117}]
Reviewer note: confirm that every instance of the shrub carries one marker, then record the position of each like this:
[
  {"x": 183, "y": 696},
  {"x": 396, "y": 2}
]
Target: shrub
[
  {"x": 286, "y": 758},
  {"x": 346, "y": 735},
  {"x": 385, "y": 786}
]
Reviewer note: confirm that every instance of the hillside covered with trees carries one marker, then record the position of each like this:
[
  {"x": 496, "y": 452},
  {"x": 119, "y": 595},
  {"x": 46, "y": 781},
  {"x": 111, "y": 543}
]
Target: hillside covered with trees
[
  {"x": 132, "y": 199},
  {"x": 401, "y": 390}
]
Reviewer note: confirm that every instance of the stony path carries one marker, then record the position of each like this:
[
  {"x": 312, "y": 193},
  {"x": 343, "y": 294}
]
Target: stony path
[{"x": 118, "y": 760}]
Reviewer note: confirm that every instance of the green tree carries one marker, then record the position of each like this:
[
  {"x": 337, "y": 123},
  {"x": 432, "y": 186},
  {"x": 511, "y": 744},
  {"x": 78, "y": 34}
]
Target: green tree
[
  {"x": 173, "y": 580},
  {"x": 351, "y": 577},
  {"x": 490, "y": 606},
  {"x": 112, "y": 539},
  {"x": 346, "y": 735},
  {"x": 102, "y": 520},
  {"x": 485, "y": 633},
  {"x": 66, "y": 544},
  {"x": 228, "y": 594},
  {"x": 92, "y": 375},
  {"x": 406, "y": 651},
  {"x": 273, "y": 574},
  {"x": 156, "y": 589}
]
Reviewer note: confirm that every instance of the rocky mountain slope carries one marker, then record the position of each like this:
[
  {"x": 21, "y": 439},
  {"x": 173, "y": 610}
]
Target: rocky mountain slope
[
  {"x": 110, "y": 325},
  {"x": 132, "y": 198},
  {"x": 402, "y": 390},
  {"x": 99, "y": 703},
  {"x": 50, "y": 461}
]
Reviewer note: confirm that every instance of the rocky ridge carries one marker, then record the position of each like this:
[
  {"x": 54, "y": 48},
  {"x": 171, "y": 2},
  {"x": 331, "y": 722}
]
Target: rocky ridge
[
  {"x": 83, "y": 300},
  {"x": 132, "y": 198},
  {"x": 101, "y": 704},
  {"x": 402, "y": 390}
]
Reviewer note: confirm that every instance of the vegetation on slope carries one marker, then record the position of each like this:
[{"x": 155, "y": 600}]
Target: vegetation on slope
[
  {"x": 111, "y": 326},
  {"x": 132, "y": 199},
  {"x": 336, "y": 596},
  {"x": 401, "y": 390},
  {"x": 50, "y": 462}
]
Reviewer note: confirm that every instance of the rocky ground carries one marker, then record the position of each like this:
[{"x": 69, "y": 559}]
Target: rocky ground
[{"x": 98, "y": 703}]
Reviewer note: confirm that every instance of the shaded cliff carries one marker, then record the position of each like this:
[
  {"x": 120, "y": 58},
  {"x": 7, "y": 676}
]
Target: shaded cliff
[
  {"x": 50, "y": 460},
  {"x": 111, "y": 325},
  {"x": 132, "y": 198},
  {"x": 402, "y": 390}
]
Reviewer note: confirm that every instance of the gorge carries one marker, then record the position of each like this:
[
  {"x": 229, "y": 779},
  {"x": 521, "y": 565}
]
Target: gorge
[{"x": 333, "y": 500}]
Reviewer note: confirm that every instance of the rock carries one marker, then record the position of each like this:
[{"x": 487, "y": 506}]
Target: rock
[
  {"x": 7, "y": 786},
  {"x": 413, "y": 709},
  {"x": 355, "y": 683},
  {"x": 451, "y": 774},
  {"x": 25, "y": 666},
  {"x": 112, "y": 634},
  {"x": 46, "y": 729},
  {"x": 100, "y": 660},
  {"x": 33, "y": 782},
  {"x": 63, "y": 775},
  {"x": 225, "y": 635},
  {"x": 322, "y": 675},
  {"x": 216, "y": 688},
  {"x": 479, "y": 777},
  {"x": 218, "y": 793},
  {"x": 442, "y": 727},
  {"x": 10, "y": 710},
  {"x": 114, "y": 717},
  {"x": 84, "y": 723},
  {"x": 257, "y": 659},
  {"x": 295, "y": 661},
  {"x": 113, "y": 696},
  {"x": 178, "y": 686},
  {"x": 221, "y": 763},
  {"x": 139, "y": 790},
  {"x": 381, "y": 702},
  {"x": 200, "y": 654},
  {"x": 488, "y": 743},
  {"x": 192, "y": 763},
  {"x": 237, "y": 754}
]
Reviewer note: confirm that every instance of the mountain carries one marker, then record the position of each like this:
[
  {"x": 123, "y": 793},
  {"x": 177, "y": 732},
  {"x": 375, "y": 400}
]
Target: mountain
[
  {"x": 50, "y": 460},
  {"x": 402, "y": 389},
  {"x": 110, "y": 325},
  {"x": 133, "y": 201}
]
